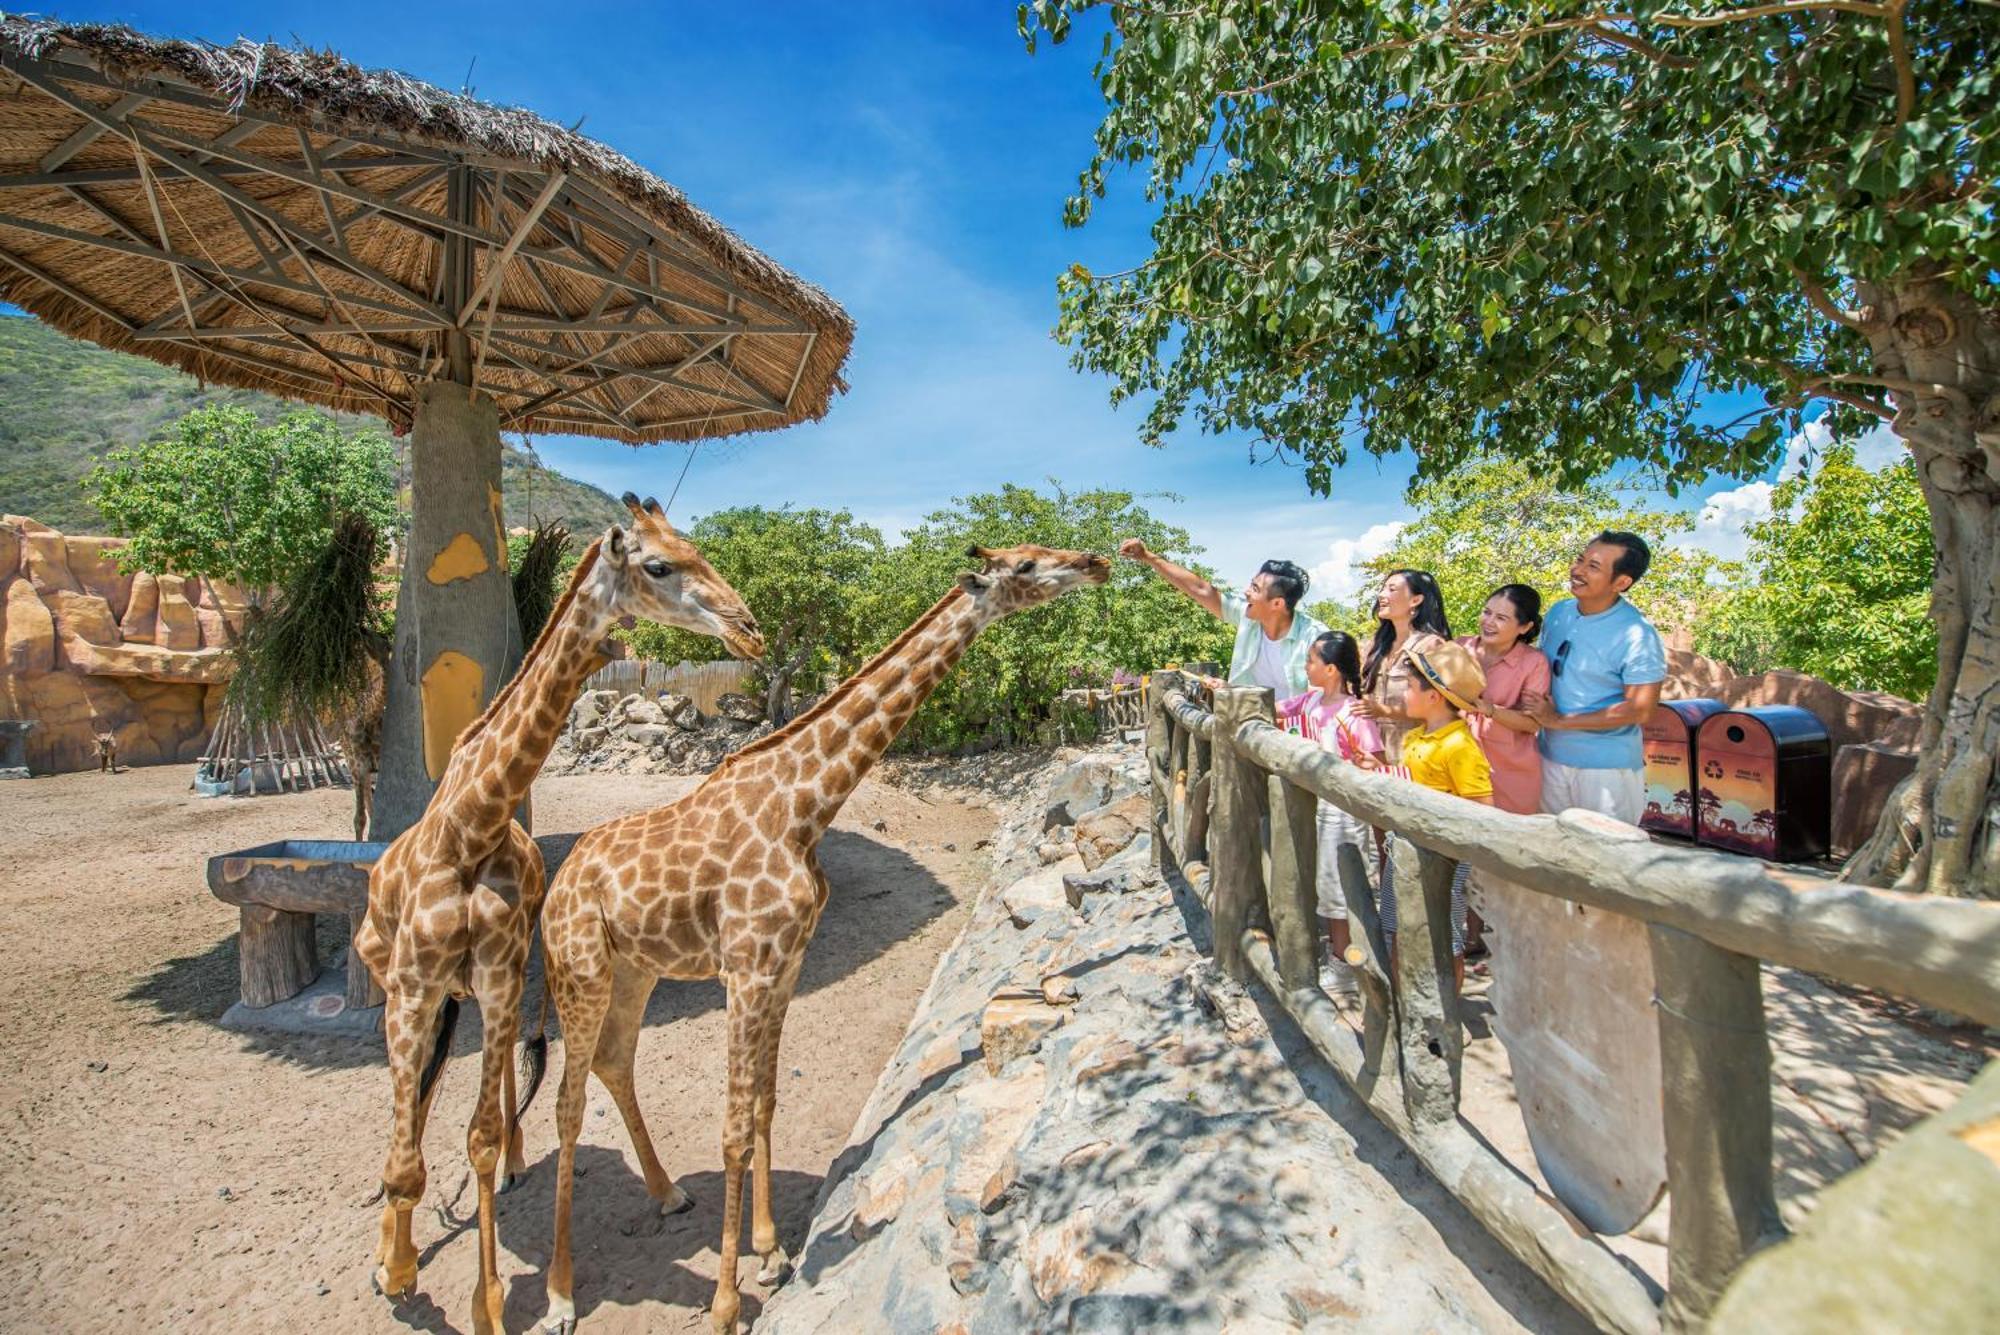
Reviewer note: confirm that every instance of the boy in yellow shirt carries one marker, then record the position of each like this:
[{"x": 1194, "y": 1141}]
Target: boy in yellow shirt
[{"x": 1443, "y": 755}]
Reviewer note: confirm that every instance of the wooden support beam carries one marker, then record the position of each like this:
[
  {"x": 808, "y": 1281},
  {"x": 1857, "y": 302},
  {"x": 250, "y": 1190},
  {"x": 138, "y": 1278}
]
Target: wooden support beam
[
  {"x": 1426, "y": 999},
  {"x": 1236, "y": 845},
  {"x": 496, "y": 267},
  {"x": 1715, "y": 1067},
  {"x": 312, "y": 161},
  {"x": 88, "y": 135},
  {"x": 1162, "y": 741},
  {"x": 1291, "y": 900}
]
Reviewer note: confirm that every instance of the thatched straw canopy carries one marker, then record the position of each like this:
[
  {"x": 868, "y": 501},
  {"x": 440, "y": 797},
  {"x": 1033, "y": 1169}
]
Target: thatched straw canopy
[{"x": 282, "y": 220}]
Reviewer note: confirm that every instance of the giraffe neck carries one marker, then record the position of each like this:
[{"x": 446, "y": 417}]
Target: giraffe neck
[
  {"x": 832, "y": 747},
  {"x": 498, "y": 757}
]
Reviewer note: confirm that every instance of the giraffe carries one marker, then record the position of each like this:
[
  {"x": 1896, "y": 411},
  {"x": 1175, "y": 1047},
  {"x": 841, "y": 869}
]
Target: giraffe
[
  {"x": 452, "y": 902},
  {"x": 726, "y": 882}
]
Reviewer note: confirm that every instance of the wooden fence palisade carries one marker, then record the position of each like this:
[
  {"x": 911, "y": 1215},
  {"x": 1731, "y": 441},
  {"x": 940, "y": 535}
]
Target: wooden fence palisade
[{"x": 1234, "y": 800}]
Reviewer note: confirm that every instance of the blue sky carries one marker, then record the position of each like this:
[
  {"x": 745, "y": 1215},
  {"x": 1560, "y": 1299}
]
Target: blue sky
[{"x": 912, "y": 160}]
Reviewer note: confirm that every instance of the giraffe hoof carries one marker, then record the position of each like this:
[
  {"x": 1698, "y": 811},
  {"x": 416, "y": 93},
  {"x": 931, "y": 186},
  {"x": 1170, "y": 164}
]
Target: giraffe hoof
[
  {"x": 777, "y": 1268},
  {"x": 677, "y": 1202},
  {"x": 392, "y": 1286},
  {"x": 559, "y": 1325}
]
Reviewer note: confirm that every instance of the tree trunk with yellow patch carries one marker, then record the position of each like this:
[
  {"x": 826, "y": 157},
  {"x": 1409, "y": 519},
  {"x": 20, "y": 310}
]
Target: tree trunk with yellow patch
[{"x": 457, "y": 638}]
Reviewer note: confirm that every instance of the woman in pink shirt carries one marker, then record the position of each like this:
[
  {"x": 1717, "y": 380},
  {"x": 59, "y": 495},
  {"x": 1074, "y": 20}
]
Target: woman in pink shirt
[{"x": 1517, "y": 674}]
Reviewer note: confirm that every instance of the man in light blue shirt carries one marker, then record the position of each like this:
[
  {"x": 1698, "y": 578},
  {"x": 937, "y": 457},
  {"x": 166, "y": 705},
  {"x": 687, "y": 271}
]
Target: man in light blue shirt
[
  {"x": 1606, "y": 664},
  {"x": 1272, "y": 635}
]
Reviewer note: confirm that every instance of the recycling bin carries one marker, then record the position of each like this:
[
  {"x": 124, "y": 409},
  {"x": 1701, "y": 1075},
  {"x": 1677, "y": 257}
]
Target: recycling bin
[
  {"x": 1765, "y": 783},
  {"x": 1670, "y": 764}
]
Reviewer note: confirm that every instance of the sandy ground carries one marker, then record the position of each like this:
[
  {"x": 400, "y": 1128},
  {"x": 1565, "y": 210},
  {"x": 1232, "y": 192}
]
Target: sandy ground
[{"x": 160, "y": 1173}]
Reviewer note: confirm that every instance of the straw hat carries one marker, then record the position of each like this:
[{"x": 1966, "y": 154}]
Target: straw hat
[{"x": 1450, "y": 668}]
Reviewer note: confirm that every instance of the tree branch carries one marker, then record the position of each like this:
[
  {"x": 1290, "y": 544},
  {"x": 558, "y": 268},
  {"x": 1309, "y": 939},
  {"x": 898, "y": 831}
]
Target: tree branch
[
  {"x": 1638, "y": 45},
  {"x": 1822, "y": 302},
  {"x": 1899, "y": 53}
]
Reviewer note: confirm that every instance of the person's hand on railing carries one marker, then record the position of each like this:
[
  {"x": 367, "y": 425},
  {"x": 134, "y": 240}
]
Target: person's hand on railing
[{"x": 1369, "y": 707}]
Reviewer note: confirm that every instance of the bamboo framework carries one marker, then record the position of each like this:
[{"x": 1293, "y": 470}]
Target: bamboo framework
[
  {"x": 282, "y": 220},
  {"x": 261, "y": 757},
  {"x": 1234, "y": 802}
]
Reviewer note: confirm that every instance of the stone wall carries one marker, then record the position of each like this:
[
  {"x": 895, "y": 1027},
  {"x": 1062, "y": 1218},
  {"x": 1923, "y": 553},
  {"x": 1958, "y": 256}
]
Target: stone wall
[
  {"x": 1087, "y": 1129},
  {"x": 86, "y": 648}
]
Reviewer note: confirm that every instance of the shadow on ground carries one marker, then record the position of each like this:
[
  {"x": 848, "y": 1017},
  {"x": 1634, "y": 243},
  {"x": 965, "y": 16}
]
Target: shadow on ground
[{"x": 880, "y": 896}]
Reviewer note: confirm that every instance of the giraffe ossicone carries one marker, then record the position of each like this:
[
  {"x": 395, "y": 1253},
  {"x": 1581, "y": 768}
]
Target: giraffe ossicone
[
  {"x": 726, "y": 883},
  {"x": 453, "y": 900}
]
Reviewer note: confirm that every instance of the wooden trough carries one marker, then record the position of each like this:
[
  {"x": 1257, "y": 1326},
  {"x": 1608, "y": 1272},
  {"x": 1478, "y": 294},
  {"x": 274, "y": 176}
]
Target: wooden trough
[{"x": 280, "y": 887}]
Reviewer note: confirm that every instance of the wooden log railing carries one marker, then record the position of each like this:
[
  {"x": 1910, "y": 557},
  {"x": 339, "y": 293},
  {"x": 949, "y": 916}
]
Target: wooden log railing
[{"x": 1233, "y": 808}]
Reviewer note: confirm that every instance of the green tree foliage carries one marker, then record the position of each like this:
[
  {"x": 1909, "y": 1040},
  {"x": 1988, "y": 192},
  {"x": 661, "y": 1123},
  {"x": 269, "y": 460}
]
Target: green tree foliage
[
  {"x": 1551, "y": 231},
  {"x": 806, "y": 575},
  {"x": 225, "y": 496},
  {"x": 305, "y": 655},
  {"x": 1840, "y": 582},
  {"x": 1005, "y": 688},
  {"x": 539, "y": 565},
  {"x": 1501, "y": 521}
]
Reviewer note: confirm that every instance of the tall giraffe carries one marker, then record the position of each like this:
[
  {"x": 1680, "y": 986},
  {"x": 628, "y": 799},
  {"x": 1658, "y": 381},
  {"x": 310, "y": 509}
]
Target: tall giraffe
[
  {"x": 726, "y": 882},
  {"x": 452, "y": 902}
]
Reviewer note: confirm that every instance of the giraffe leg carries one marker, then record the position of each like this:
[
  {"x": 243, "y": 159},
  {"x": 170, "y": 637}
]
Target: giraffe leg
[
  {"x": 409, "y": 1022},
  {"x": 749, "y": 1009},
  {"x": 776, "y": 1265},
  {"x": 496, "y": 979},
  {"x": 580, "y": 1005},
  {"x": 517, "y": 1161},
  {"x": 617, "y": 1052}
]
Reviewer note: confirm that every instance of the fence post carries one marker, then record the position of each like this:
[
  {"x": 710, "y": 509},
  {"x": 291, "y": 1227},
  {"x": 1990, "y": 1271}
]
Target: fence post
[
  {"x": 1177, "y": 771},
  {"x": 1294, "y": 865},
  {"x": 1160, "y": 732},
  {"x": 1236, "y": 863},
  {"x": 1200, "y": 786},
  {"x": 1426, "y": 995},
  {"x": 1715, "y": 1066}
]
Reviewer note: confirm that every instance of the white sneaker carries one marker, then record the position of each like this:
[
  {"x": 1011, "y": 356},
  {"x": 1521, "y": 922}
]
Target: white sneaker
[{"x": 1336, "y": 979}]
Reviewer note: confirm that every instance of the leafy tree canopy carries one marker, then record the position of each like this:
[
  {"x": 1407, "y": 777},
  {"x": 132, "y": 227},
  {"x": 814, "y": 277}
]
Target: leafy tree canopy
[
  {"x": 1005, "y": 688},
  {"x": 1546, "y": 229},
  {"x": 225, "y": 496},
  {"x": 1841, "y": 582},
  {"x": 1503, "y": 521}
]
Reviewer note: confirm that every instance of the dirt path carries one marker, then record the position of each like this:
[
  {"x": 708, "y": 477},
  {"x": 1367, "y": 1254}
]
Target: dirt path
[{"x": 158, "y": 1172}]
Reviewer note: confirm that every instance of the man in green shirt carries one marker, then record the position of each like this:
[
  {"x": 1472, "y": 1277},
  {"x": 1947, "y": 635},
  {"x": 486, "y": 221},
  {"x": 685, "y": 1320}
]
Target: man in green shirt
[{"x": 1272, "y": 635}]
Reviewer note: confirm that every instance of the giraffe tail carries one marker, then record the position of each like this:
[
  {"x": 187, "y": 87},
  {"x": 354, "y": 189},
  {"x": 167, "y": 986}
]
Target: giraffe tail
[
  {"x": 535, "y": 1054},
  {"x": 447, "y": 1022}
]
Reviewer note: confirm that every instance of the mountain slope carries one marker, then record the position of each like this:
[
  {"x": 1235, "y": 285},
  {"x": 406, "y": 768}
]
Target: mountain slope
[{"x": 64, "y": 404}]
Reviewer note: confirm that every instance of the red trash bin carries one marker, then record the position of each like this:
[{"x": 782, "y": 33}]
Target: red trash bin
[{"x": 1765, "y": 786}]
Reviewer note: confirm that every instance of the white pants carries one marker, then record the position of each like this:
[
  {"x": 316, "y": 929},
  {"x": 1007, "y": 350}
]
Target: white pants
[
  {"x": 1337, "y": 827},
  {"x": 1617, "y": 793}
]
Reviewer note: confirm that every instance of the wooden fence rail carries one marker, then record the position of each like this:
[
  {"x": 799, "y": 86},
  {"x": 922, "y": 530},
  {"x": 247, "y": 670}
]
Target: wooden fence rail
[{"x": 1234, "y": 800}]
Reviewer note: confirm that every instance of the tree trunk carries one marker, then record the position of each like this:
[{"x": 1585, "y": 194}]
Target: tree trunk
[
  {"x": 1940, "y": 832},
  {"x": 778, "y": 698},
  {"x": 457, "y": 637}
]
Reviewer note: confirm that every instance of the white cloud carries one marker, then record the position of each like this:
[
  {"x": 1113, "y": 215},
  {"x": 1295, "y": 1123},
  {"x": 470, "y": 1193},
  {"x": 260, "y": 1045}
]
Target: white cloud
[
  {"x": 1721, "y": 527},
  {"x": 1340, "y": 576}
]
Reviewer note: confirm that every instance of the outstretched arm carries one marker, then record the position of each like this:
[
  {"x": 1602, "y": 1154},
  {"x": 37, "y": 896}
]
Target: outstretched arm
[{"x": 1189, "y": 583}]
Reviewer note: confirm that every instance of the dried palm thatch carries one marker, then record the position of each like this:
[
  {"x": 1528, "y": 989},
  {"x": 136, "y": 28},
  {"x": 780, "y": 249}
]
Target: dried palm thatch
[{"x": 283, "y": 220}]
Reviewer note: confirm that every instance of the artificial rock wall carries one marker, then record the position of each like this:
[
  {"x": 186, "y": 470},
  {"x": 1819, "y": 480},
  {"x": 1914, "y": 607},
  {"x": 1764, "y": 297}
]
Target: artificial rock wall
[{"x": 86, "y": 648}]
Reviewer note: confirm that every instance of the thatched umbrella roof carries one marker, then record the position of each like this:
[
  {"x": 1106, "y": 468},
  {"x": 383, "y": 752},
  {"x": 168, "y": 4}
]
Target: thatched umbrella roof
[{"x": 284, "y": 220}]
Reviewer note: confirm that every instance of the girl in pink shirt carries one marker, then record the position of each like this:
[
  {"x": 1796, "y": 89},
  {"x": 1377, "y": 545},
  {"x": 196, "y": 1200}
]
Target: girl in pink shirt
[{"x": 1329, "y": 713}]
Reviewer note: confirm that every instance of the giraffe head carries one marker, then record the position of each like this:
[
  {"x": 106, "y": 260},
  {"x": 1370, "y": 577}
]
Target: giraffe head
[
  {"x": 657, "y": 574},
  {"x": 1011, "y": 579}
]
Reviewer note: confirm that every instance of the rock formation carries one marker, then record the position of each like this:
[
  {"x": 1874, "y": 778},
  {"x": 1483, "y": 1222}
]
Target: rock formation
[{"x": 87, "y": 649}]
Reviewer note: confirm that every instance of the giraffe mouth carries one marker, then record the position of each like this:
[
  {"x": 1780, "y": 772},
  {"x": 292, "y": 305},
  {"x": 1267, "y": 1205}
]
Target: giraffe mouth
[{"x": 747, "y": 645}]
